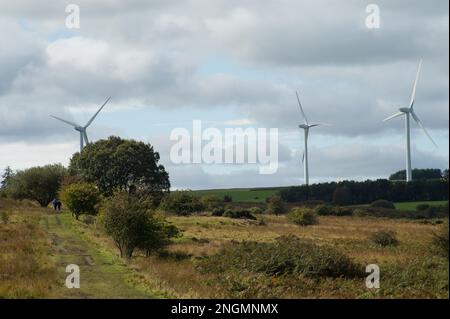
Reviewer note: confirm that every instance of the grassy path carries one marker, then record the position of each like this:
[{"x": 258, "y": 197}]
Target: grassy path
[{"x": 102, "y": 275}]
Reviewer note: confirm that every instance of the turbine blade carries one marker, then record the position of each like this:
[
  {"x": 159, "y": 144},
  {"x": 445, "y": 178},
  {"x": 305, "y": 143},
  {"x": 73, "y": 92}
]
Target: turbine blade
[
  {"x": 65, "y": 121},
  {"x": 393, "y": 116},
  {"x": 301, "y": 108},
  {"x": 95, "y": 115},
  {"x": 416, "y": 118},
  {"x": 413, "y": 96},
  {"x": 319, "y": 124}
]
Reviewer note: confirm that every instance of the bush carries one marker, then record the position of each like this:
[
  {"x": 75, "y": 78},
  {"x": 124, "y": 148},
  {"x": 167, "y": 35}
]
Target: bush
[
  {"x": 384, "y": 238},
  {"x": 359, "y": 212},
  {"x": 210, "y": 202},
  {"x": 288, "y": 255},
  {"x": 255, "y": 211},
  {"x": 238, "y": 214},
  {"x": 37, "y": 183},
  {"x": 441, "y": 241},
  {"x": 81, "y": 198},
  {"x": 275, "y": 205},
  {"x": 181, "y": 203},
  {"x": 132, "y": 224},
  {"x": 382, "y": 203},
  {"x": 303, "y": 216},
  {"x": 4, "y": 217},
  {"x": 422, "y": 207},
  {"x": 227, "y": 199},
  {"x": 218, "y": 212},
  {"x": 328, "y": 210}
]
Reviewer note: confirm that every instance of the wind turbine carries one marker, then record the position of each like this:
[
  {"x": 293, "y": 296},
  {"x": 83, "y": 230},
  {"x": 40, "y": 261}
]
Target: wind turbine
[
  {"x": 407, "y": 111},
  {"x": 82, "y": 129},
  {"x": 305, "y": 126}
]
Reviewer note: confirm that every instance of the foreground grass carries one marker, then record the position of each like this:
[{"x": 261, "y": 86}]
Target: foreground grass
[{"x": 39, "y": 245}]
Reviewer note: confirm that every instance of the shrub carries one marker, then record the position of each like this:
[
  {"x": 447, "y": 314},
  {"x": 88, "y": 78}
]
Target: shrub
[
  {"x": 441, "y": 241},
  {"x": 238, "y": 214},
  {"x": 227, "y": 199},
  {"x": 275, "y": 205},
  {"x": 81, "y": 198},
  {"x": 210, "y": 202},
  {"x": 359, "y": 212},
  {"x": 382, "y": 203},
  {"x": 219, "y": 211},
  {"x": 4, "y": 217},
  {"x": 181, "y": 203},
  {"x": 255, "y": 211},
  {"x": 328, "y": 210},
  {"x": 303, "y": 216},
  {"x": 384, "y": 238},
  {"x": 288, "y": 255},
  {"x": 422, "y": 207},
  {"x": 132, "y": 224}
]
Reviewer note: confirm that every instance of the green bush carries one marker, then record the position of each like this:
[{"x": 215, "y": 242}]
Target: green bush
[
  {"x": 275, "y": 205},
  {"x": 4, "y": 217},
  {"x": 302, "y": 216},
  {"x": 359, "y": 212},
  {"x": 422, "y": 207},
  {"x": 132, "y": 224},
  {"x": 384, "y": 238},
  {"x": 238, "y": 214},
  {"x": 181, "y": 203},
  {"x": 219, "y": 211},
  {"x": 382, "y": 203},
  {"x": 287, "y": 256},
  {"x": 81, "y": 198},
  {"x": 328, "y": 210},
  {"x": 211, "y": 202},
  {"x": 255, "y": 211},
  {"x": 441, "y": 241}
]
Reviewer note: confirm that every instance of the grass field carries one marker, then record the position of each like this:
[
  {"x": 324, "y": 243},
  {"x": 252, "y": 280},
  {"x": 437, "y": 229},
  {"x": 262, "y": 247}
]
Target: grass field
[
  {"x": 37, "y": 245},
  {"x": 413, "y": 205}
]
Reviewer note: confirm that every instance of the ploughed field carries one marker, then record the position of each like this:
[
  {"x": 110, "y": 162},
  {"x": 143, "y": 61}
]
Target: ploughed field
[{"x": 208, "y": 261}]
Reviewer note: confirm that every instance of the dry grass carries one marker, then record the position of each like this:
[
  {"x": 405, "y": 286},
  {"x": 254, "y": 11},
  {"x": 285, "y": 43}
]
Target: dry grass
[{"x": 25, "y": 271}]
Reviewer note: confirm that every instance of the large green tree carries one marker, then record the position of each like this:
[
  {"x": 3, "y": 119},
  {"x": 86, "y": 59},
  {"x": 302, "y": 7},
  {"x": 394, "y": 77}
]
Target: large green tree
[
  {"x": 418, "y": 174},
  {"x": 38, "y": 183},
  {"x": 119, "y": 164}
]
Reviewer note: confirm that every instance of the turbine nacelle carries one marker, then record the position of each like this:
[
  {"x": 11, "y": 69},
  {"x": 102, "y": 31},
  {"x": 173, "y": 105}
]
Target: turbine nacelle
[
  {"x": 405, "y": 110},
  {"x": 82, "y": 129}
]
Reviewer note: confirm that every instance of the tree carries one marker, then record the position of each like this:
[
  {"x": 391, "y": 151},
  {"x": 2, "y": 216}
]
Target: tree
[
  {"x": 118, "y": 164},
  {"x": 275, "y": 205},
  {"x": 342, "y": 196},
  {"x": 37, "y": 183},
  {"x": 7, "y": 174},
  {"x": 181, "y": 203},
  {"x": 417, "y": 174},
  {"x": 81, "y": 198},
  {"x": 132, "y": 224},
  {"x": 445, "y": 175},
  {"x": 210, "y": 202}
]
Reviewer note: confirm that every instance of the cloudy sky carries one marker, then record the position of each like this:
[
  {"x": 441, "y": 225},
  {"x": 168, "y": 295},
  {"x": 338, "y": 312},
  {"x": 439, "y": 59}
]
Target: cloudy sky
[{"x": 229, "y": 64}]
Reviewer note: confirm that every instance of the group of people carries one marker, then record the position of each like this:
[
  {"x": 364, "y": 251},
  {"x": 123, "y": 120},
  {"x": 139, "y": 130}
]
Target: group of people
[{"x": 57, "y": 205}]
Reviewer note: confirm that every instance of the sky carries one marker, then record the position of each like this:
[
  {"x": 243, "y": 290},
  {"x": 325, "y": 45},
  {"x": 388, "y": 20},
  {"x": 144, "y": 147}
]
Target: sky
[{"x": 230, "y": 64}]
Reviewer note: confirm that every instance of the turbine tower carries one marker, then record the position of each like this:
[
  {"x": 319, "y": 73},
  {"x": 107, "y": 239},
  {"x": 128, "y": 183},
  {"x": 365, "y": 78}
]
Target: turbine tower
[
  {"x": 82, "y": 129},
  {"x": 305, "y": 126},
  {"x": 407, "y": 112}
]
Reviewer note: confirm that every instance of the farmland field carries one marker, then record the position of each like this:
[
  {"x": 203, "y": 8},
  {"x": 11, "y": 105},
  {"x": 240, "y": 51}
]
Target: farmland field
[
  {"x": 413, "y": 205},
  {"x": 410, "y": 269}
]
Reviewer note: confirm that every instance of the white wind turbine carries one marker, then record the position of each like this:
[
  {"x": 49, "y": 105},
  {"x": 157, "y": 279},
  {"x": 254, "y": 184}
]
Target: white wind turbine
[
  {"x": 407, "y": 111},
  {"x": 305, "y": 126},
  {"x": 82, "y": 129}
]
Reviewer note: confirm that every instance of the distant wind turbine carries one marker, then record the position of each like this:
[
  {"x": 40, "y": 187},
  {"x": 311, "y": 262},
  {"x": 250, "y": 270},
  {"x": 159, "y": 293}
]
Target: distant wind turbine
[
  {"x": 305, "y": 126},
  {"x": 407, "y": 111},
  {"x": 82, "y": 129}
]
